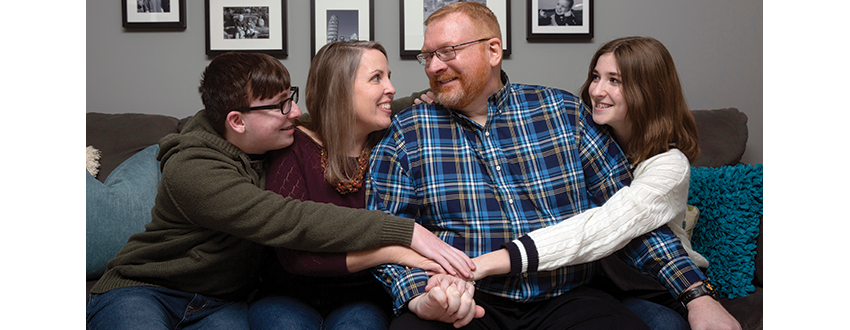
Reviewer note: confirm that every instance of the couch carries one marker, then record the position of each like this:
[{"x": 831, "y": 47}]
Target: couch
[{"x": 119, "y": 201}]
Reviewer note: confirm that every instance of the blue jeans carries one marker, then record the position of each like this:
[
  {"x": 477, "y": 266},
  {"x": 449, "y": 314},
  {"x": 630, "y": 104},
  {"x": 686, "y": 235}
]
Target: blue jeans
[
  {"x": 657, "y": 317},
  {"x": 284, "y": 312},
  {"x": 146, "y": 307}
]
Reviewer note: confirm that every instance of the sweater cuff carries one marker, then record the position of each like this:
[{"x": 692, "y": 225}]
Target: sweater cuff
[
  {"x": 523, "y": 255},
  {"x": 397, "y": 230}
]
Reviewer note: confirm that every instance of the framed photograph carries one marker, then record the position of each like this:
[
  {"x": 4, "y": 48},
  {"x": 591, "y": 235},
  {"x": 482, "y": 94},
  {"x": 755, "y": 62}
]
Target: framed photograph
[
  {"x": 414, "y": 12},
  {"x": 340, "y": 20},
  {"x": 559, "y": 19},
  {"x": 256, "y": 26},
  {"x": 153, "y": 13}
]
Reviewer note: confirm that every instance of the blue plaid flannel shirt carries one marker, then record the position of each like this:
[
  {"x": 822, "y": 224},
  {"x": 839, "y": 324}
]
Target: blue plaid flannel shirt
[{"x": 539, "y": 159}]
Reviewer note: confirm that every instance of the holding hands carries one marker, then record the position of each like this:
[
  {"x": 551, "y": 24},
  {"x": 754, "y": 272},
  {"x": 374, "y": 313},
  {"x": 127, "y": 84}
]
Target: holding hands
[{"x": 447, "y": 299}]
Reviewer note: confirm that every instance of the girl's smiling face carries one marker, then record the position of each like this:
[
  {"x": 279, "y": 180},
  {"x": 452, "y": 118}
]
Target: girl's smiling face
[{"x": 609, "y": 104}]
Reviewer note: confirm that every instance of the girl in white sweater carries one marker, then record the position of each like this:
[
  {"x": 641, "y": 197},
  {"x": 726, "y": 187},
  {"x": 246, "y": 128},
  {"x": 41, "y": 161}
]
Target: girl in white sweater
[{"x": 634, "y": 90}]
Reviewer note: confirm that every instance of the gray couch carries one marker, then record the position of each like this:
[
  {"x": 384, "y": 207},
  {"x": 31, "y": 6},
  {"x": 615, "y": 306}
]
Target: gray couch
[{"x": 723, "y": 137}]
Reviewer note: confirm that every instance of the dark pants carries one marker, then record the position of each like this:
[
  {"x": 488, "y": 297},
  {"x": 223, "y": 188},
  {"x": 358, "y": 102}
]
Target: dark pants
[{"x": 581, "y": 308}]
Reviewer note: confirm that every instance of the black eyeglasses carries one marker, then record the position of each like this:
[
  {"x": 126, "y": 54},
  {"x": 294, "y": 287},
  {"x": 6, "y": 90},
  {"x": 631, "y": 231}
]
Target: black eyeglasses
[
  {"x": 443, "y": 53},
  {"x": 284, "y": 106}
]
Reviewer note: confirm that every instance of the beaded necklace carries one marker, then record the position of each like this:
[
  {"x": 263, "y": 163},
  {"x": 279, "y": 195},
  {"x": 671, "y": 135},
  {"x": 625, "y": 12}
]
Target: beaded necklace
[{"x": 352, "y": 186}]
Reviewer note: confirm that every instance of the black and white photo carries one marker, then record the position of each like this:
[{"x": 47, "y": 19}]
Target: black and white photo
[
  {"x": 559, "y": 19},
  {"x": 246, "y": 26},
  {"x": 153, "y": 13},
  {"x": 153, "y": 6},
  {"x": 340, "y": 20},
  {"x": 246, "y": 22},
  {"x": 343, "y": 25}
]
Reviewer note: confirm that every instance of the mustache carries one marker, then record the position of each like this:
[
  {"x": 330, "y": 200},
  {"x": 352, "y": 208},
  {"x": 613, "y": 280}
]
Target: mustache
[{"x": 436, "y": 88}]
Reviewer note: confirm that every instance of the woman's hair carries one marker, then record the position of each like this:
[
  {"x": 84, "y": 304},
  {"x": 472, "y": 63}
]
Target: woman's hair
[
  {"x": 233, "y": 80},
  {"x": 329, "y": 98},
  {"x": 488, "y": 24},
  {"x": 656, "y": 104}
]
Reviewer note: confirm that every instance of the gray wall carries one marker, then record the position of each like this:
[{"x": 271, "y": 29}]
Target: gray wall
[{"x": 717, "y": 46}]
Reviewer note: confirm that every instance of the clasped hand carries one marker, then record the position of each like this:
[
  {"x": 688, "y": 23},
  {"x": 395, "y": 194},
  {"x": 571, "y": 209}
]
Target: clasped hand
[{"x": 447, "y": 299}]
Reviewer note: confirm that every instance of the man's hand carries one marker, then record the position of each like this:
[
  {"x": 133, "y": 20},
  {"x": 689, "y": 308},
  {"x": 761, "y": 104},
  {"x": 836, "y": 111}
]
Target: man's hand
[
  {"x": 454, "y": 261},
  {"x": 447, "y": 299},
  {"x": 706, "y": 313}
]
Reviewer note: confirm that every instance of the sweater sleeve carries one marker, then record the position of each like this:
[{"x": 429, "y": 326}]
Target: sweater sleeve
[
  {"x": 657, "y": 195},
  {"x": 217, "y": 192}
]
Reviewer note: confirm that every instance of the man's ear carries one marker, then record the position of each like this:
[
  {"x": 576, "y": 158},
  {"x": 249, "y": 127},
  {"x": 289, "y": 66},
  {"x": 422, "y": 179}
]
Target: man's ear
[
  {"x": 235, "y": 122},
  {"x": 494, "y": 50}
]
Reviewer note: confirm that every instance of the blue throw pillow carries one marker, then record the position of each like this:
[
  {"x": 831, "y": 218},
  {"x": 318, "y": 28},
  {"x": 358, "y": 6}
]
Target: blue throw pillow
[
  {"x": 119, "y": 207},
  {"x": 730, "y": 202}
]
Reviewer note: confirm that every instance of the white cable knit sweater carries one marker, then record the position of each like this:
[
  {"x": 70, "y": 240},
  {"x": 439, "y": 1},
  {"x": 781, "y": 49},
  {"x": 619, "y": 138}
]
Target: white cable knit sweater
[{"x": 658, "y": 195}]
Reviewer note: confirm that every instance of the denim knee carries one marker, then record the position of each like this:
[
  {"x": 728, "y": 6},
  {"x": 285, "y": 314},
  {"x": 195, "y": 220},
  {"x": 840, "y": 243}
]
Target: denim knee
[
  {"x": 145, "y": 307},
  {"x": 656, "y": 316},
  {"x": 283, "y": 312},
  {"x": 358, "y": 315}
]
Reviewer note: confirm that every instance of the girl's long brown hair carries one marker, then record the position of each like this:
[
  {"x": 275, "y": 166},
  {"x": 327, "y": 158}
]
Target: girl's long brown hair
[
  {"x": 329, "y": 97},
  {"x": 656, "y": 104}
]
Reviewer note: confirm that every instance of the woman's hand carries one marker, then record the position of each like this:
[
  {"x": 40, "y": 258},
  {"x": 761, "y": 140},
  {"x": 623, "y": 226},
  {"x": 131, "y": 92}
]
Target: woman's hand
[
  {"x": 427, "y": 98},
  {"x": 454, "y": 261},
  {"x": 391, "y": 254}
]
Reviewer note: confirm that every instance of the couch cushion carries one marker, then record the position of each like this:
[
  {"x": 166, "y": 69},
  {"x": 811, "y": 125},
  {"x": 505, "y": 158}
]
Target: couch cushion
[
  {"x": 119, "y": 207},
  {"x": 730, "y": 200},
  {"x": 119, "y": 136},
  {"x": 747, "y": 310},
  {"x": 722, "y": 136}
]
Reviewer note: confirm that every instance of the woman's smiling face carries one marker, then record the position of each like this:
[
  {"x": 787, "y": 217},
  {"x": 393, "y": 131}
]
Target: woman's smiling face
[{"x": 373, "y": 92}]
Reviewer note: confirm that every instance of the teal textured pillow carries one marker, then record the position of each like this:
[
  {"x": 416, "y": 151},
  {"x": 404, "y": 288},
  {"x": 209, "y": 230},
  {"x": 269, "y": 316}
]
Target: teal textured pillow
[
  {"x": 119, "y": 207},
  {"x": 730, "y": 200}
]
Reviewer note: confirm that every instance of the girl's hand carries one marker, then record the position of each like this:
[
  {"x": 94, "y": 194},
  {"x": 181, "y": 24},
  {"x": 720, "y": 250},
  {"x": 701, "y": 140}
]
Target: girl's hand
[{"x": 493, "y": 263}]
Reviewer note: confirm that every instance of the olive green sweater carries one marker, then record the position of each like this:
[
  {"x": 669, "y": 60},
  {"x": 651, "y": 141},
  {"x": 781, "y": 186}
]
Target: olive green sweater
[{"x": 212, "y": 217}]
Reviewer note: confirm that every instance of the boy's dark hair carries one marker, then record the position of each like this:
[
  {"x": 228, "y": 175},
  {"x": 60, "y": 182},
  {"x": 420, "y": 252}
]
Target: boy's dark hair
[{"x": 233, "y": 80}]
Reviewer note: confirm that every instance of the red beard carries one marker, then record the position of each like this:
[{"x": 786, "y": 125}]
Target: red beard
[{"x": 458, "y": 97}]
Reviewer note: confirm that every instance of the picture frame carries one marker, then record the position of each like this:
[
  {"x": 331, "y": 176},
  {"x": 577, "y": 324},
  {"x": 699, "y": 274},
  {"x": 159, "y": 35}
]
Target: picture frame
[
  {"x": 340, "y": 20},
  {"x": 414, "y": 12},
  {"x": 545, "y": 23},
  {"x": 153, "y": 14},
  {"x": 252, "y": 26}
]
